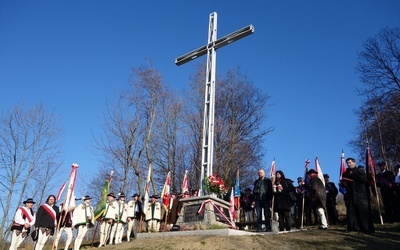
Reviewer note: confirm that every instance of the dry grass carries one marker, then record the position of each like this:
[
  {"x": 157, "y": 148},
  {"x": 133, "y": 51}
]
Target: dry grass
[{"x": 386, "y": 237}]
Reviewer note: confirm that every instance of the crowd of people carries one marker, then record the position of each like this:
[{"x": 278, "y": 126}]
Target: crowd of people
[
  {"x": 119, "y": 217},
  {"x": 312, "y": 202}
]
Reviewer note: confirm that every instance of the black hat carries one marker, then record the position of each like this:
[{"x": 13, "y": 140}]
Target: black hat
[
  {"x": 29, "y": 200},
  {"x": 312, "y": 171},
  {"x": 87, "y": 197},
  {"x": 121, "y": 195},
  {"x": 135, "y": 195},
  {"x": 155, "y": 196},
  {"x": 247, "y": 189},
  {"x": 381, "y": 164},
  {"x": 299, "y": 179},
  {"x": 111, "y": 194},
  {"x": 326, "y": 176}
]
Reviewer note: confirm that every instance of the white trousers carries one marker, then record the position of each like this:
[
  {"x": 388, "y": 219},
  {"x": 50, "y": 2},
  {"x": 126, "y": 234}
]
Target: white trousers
[
  {"x": 113, "y": 231},
  {"x": 42, "y": 239},
  {"x": 133, "y": 225},
  {"x": 68, "y": 232},
  {"x": 321, "y": 214},
  {"x": 104, "y": 232},
  {"x": 119, "y": 232},
  {"x": 153, "y": 226},
  {"x": 16, "y": 240},
  {"x": 82, "y": 230}
]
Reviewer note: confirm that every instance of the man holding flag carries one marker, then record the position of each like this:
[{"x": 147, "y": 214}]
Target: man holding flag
[{"x": 108, "y": 219}]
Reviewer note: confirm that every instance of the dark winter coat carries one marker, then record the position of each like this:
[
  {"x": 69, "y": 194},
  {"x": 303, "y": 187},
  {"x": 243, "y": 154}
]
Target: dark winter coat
[
  {"x": 262, "y": 189},
  {"x": 282, "y": 201},
  {"x": 317, "y": 192},
  {"x": 354, "y": 181}
]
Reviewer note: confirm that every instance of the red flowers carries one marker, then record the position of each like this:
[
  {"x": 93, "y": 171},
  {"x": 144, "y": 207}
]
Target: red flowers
[{"x": 214, "y": 184}]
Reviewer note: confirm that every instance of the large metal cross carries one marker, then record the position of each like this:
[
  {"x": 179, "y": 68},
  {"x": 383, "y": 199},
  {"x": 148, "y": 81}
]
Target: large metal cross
[{"x": 209, "y": 94}]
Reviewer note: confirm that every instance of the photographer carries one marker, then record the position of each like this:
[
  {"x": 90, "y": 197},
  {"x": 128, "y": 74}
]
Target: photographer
[{"x": 263, "y": 195}]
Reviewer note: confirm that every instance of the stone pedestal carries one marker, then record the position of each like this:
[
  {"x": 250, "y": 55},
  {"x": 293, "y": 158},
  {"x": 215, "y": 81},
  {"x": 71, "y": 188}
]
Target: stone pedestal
[{"x": 204, "y": 212}]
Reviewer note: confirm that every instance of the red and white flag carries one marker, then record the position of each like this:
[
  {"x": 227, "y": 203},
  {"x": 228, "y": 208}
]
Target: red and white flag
[
  {"x": 272, "y": 172},
  {"x": 319, "y": 170},
  {"x": 61, "y": 190},
  {"x": 69, "y": 201},
  {"x": 342, "y": 170},
  {"x": 232, "y": 207},
  {"x": 166, "y": 193},
  {"x": 185, "y": 184},
  {"x": 147, "y": 189}
]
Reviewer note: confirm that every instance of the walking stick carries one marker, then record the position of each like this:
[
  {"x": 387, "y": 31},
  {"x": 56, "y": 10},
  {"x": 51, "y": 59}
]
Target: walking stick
[
  {"x": 140, "y": 223},
  {"x": 58, "y": 229},
  {"x": 165, "y": 221},
  {"x": 94, "y": 233}
]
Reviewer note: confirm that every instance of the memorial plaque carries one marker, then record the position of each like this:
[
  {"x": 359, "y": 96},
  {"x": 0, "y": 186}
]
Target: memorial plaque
[
  {"x": 219, "y": 217},
  {"x": 190, "y": 213}
]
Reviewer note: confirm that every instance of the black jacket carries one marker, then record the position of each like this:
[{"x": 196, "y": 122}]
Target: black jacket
[{"x": 262, "y": 189}]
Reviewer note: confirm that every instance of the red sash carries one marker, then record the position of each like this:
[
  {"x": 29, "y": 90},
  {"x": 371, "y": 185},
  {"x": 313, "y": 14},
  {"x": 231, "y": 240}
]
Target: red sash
[
  {"x": 51, "y": 212},
  {"x": 27, "y": 214}
]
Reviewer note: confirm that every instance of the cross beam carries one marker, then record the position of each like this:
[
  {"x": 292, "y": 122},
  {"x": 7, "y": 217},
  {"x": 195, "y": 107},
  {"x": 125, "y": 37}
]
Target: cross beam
[
  {"x": 209, "y": 96},
  {"x": 248, "y": 30}
]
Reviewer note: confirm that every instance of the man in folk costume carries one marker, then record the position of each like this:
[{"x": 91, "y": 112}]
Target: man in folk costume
[
  {"x": 153, "y": 215},
  {"x": 108, "y": 220},
  {"x": 318, "y": 197},
  {"x": 23, "y": 220},
  {"x": 65, "y": 226},
  {"x": 46, "y": 221},
  {"x": 134, "y": 212},
  {"x": 83, "y": 219},
  {"x": 119, "y": 227}
]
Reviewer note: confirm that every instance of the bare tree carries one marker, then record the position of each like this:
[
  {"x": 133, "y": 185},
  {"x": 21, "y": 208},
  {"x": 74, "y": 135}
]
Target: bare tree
[
  {"x": 149, "y": 80},
  {"x": 169, "y": 144},
  {"x": 121, "y": 140},
  {"x": 379, "y": 114},
  {"x": 29, "y": 143}
]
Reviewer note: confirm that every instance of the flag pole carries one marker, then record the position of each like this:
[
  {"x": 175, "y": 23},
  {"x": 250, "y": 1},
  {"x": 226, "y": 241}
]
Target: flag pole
[
  {"x": 302, "y": 211},
  {"x": 379, "y": 205},
  {"x": 371, "y": 171}
]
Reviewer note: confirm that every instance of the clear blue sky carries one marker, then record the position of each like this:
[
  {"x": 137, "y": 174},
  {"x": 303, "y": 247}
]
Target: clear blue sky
[{"x": 71, "y": 55}]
